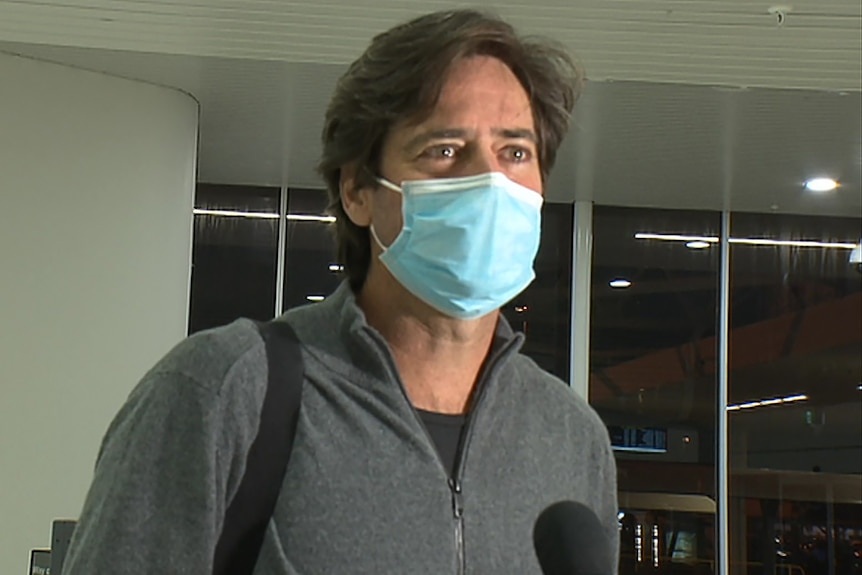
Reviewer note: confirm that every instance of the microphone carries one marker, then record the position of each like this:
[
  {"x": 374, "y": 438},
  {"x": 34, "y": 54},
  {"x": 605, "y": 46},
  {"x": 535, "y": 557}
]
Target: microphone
[{"x": 569, "y": 540}]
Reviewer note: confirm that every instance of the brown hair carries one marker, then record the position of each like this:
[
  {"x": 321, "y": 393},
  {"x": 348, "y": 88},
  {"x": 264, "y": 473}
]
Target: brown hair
[{"x": 401, "y": 75}]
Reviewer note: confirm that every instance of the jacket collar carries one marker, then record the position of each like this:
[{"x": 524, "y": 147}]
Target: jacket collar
[{"x": 340, "y": 314}]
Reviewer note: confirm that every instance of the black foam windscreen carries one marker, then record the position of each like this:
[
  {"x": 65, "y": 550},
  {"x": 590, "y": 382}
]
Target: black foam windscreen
[{"x": 570, "y": 540}]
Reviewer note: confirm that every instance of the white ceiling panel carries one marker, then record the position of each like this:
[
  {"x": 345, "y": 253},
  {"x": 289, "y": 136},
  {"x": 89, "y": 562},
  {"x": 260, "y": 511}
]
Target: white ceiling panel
[
  {"x": 729, "y": 42},
  {"x": 676, "y": 146},
  {"x": 633, "y": 143}
]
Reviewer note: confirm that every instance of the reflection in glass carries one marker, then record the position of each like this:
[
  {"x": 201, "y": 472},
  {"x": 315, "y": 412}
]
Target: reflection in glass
[
  {"x": 796, "y": 333},
  {"x": 310, "y": 271},
  {"x": 653, "y": 379},
  {"x": 234, "y": 256},
  {"x": 542, "y": 311}
]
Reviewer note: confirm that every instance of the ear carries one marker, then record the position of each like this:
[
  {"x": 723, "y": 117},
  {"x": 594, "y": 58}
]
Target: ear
[{"x": 356, "y": 199}]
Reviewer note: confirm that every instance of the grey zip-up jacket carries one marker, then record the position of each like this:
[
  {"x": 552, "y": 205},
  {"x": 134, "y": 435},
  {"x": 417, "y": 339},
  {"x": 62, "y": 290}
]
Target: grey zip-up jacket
[{"x": 365, "y": 490}]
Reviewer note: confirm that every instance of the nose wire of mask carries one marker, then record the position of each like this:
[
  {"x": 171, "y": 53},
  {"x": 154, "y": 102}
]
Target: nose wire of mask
[{"x": 467, "y": 245}]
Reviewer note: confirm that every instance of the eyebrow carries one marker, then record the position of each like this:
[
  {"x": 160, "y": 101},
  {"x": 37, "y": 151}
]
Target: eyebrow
[
  {"x": 424, "y": 138},
  {"x": 517, "y": 134}
]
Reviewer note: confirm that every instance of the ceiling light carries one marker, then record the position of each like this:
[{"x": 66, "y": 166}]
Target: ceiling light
[
  {"x": 236, "y": 214},
  {"x": 620, "y": 283},
  {"x": 264, "y": 215},
  {"x": 775, "y": 401},
  {"x": 821, "y": 185},
  {"x": 791, "y": 243},
  {"x": 310, "y": 218},
  {"x": 767, "y": 402},
  {"x": 336, "y": 268},
  {"x": 697, "y": 245},
  {"x": 746, "y": 241},
  {"x": 315, "y": 297},
  {"x": 676, "y": 238}
]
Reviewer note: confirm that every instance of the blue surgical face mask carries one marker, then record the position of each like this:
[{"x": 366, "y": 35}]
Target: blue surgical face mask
[{"x": 468, "y": 244}]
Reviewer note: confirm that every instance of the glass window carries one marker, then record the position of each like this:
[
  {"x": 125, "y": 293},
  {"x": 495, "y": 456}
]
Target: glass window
[
  {"x": 543, "y": 310},
  {"x": 234, "y": 254},
  {"x": 653, "y": 379},
  {"x": 310, "y": 271},
  {"x": 795, "y": 402}
]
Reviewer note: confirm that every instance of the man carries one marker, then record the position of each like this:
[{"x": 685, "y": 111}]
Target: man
[{"x": 426, "y": 443}]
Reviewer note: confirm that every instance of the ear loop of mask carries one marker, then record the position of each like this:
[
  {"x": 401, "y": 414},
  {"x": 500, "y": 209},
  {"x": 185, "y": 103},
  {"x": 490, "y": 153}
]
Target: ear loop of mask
[
  {"x": 381, "y": 180},
  {"x": 376, "y": 238},
  {"x": 389, "y": 185}
]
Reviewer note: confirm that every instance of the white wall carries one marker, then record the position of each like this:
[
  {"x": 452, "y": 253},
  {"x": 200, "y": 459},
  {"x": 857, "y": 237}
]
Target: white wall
[{"x": 96, "y": 193}]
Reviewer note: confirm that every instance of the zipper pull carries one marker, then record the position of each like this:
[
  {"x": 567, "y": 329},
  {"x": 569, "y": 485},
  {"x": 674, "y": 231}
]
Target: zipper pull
[{"x": 457, "y": 501}]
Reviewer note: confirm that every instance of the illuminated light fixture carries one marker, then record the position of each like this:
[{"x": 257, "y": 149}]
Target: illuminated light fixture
[
  {"x": 263, "y": 215},
  {"x": 766, "y": 402},
  {"x": 821, "y": 185},
  {"x": 676, "y": 238},
  {"x": 310, "y": 218},
  {"x": 620, "y": 283},
  {"x": 791, "y": 243},
  {"x": 236, "y": 214},
  {"x": 697, "y": 245},
  {"x": 315, "y": 298},
  {"x": 336, "y": 268},
  {"x": 745, "y": 241},
  {"x": 521, "y": 308}
]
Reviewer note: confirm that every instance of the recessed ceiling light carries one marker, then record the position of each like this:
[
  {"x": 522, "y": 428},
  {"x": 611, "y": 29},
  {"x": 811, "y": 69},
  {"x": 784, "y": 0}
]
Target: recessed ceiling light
[
  {"x": 766, "y": 402},
  {"x": 620, "y": 283},
  {"x": 235, "y": 214},
  {"x": 315, "y": 297},
  {"x": 697, "y": 245},
  {"x": 310, "y": 218},
  {"x": 791, "y": 243},
  {"x": 821, "y": 184},
  {"x": 747, "y": 241},
  {"x": 264, "y": 215},
  {"x": 675, "y": 237}
]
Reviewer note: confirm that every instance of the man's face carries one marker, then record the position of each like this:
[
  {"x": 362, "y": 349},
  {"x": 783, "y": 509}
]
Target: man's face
[{"x": 482, "y": 123}]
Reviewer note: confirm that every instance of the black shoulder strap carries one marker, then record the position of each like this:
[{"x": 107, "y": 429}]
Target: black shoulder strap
[{"x": 249, "y": 512}]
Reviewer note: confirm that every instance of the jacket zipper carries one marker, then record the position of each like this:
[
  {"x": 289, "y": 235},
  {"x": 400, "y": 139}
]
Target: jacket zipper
[
  {"x": 455, "y": 481},
  {"x": 458, "y": 512}
]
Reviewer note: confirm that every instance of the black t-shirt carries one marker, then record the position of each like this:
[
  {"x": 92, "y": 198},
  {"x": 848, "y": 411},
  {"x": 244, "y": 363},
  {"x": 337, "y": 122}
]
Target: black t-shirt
[{"x": 445, "y": 431}]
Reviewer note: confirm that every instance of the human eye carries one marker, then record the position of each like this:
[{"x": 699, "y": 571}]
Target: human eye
[
  {"x": 518, "y": 154},
  {"x": 441, "y": 152}
]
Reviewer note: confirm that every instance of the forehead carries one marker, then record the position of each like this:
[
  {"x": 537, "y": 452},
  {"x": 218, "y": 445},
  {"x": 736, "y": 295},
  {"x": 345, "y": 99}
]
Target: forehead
[{"x": 477, "y": 91}]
